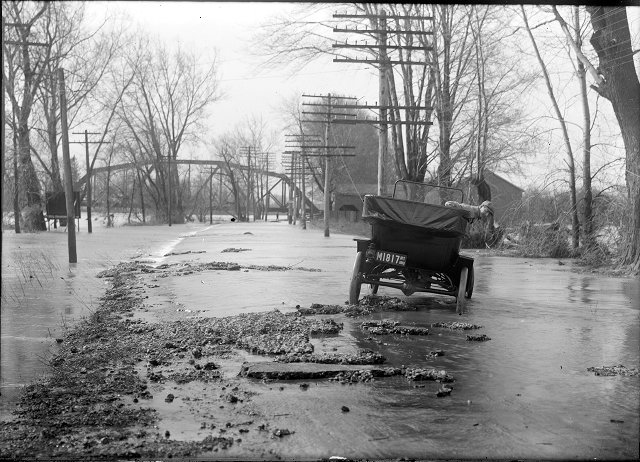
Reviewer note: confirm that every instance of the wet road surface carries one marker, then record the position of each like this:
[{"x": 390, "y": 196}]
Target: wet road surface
[{"x": 526, "y": 393}]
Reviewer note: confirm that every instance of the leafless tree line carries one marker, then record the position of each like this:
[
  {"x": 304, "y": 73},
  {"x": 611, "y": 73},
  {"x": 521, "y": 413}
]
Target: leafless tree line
[
  {"x": 145, "y": 100},
  {"x": 476, "y": 84}
]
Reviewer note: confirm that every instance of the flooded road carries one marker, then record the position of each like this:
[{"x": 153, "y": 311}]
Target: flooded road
[
  {"x": 42, "y": 292},
  {"x": 526, "y": 393}
]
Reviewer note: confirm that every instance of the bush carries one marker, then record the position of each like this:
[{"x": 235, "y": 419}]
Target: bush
[{"x": 544, "y": 240}]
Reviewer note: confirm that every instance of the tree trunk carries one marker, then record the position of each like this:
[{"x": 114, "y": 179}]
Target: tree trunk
[
  {"x": 16, "y": 181},
  {"x": 575, "y": 224},
  {"x": 109, "y": 221},
  {"x": 611, "y": 40},
  {"x": 587, "y": 210},
  {"x": 141, "y": 197},
  {"x": 52, "y": 136},
  {"x": 34, "y": 219}
]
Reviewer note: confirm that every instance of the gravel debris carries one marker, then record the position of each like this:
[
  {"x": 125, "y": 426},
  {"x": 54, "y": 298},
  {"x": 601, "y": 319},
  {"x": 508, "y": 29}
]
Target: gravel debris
[
  {"x": 386, "y": 327},
  {"x": 456, "y": 325},
  {"x": 478, "y": 338},
  {"x": 362, "y": 357},
  {"x": 368, "y": 305},
  {"x": 418, "y": 374},
  {"x": 608, "y": 371},
  {"x": 358, "y": 376}
]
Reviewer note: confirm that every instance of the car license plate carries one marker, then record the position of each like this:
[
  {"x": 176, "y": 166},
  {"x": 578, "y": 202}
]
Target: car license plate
[{"x": 391, "y": 258}]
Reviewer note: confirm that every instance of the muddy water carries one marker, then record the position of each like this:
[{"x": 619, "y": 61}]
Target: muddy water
[
  {"x": 525, "y": 393},
  {"x": 42, "y": 292}
]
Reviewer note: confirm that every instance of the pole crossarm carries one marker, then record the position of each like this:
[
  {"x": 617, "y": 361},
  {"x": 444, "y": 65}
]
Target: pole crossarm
[
  {"x": 376, "y": 122},
  {"x": 370, "y": 46},
  {"x": 323, "y": 146},
  {"x": 333, "y": 113},
  {"x": 372, "y": 106},
  {"x": 378, "y": 16},
  {"x": 382, "y": 31},
  {"x": 383, "y": 61},
  {"x": 332, "y": 97}
]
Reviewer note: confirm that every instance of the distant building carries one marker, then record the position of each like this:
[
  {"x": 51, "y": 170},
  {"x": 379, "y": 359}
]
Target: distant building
[
  {"x": 505, "y": 196},
  {"x": 348, "y": 197}
]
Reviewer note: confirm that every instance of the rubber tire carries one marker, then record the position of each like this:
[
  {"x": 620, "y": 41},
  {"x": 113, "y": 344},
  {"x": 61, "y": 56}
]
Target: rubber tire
[
  {"x": 354, "y": 287},
  {"x": 470, "y": 282},
  {"x": 462, "y": 288}
]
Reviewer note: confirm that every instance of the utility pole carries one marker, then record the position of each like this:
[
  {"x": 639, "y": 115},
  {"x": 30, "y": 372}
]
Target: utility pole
[
  {"x": 89, "y": 169},
  {"x": 327, "y": 164},
  {"x": 384, "y": 68},
  {"x": 327, "y": 148},
  {"x": 68, "y": 181},
  {"x": 170, "y": 194},
  {"x": 297, "y": 160},
  {"x": 266, "y": 206},
  {"x": 383, "y": 92},
  {"x": 211, "y": 196},
  {"x": 247, "y": 150}
]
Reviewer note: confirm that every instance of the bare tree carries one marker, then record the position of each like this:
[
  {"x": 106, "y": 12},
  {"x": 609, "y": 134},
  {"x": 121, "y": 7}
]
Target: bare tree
[
  {"x": 575, "y": 224},
  {"x": 616, "y": 80},
  {"x": 87, "y": 56},
  {"x": 163, "y": 110},
  {"x": 22, "y": 76}
]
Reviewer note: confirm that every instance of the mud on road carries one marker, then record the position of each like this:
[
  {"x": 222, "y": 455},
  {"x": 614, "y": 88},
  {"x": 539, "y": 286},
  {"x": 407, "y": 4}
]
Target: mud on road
[
  {"x": 147, "y": 376},
  {"x": 115, "y": 368}
]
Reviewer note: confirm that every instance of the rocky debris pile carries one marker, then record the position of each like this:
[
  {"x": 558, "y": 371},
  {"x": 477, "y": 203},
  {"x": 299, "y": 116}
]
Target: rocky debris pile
[
  {"x": 478, "y": 338},
  {"x": 187, "y": 268},
  {"x": 444, "y": 391},
  {"x": 324, "y": 326},
  {"x": 456, "y": 325},
  {"x": 418, "y": 374},
  {"x": 353, "y": 377},
  {"x": 281, "y": 268},
  {"x": 269, "y": 333},
  {"x": 280, "y": 432},
  {"x": 368, "y": 305},
  {"x": 199, "y": 375},
  {"x": 170, "y": 254},
  {"x": 234, "y": 250},
  {"x": 384, "y": 303},
  {"x": 386, "y": 327},
  {"x": 317, "y": 308},
  {"x": 126, "y": 268},
  {"x": 356, "y": 376},
  {"x": 434, "y": 354},
  {"x": 608, "y": 371},
  {"x": 95, "y": 379},
  {"x": 362, "y": 357}
]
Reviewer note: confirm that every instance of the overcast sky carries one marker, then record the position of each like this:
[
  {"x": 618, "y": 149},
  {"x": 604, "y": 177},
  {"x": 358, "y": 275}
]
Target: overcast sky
[{"x": 225, "y": 29}]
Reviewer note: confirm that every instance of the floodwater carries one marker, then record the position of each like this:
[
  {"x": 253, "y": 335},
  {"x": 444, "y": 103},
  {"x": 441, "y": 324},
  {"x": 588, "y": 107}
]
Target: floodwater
[
  {"x": 526, "y": 393},
  {"x": 42, "y": 292}
]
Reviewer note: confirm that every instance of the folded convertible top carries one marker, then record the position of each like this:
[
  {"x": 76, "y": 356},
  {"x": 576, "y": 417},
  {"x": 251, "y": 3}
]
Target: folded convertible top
[{"x": 430, "y": 217}]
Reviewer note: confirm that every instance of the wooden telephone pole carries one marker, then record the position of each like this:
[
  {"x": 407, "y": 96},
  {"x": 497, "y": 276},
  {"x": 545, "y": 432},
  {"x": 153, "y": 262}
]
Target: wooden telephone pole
[
  {"x": 328, "y": 103},
  {"x": 86, "y": 142},
  {"x": 297, "y": 161},
  {"x": 384, "y": 68},
  {"x": 68, "y": 180}
]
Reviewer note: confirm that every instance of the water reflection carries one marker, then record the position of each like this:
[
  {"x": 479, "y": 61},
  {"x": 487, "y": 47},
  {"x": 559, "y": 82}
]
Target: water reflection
[
  {"x": 525, "y": 393},
  {"x": 529, "y": 385}
]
